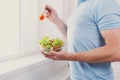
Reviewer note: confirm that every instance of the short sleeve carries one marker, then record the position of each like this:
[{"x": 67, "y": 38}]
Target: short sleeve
[
  {"x": 106, "y": 15},
  {"x": 109, "y": 21}
]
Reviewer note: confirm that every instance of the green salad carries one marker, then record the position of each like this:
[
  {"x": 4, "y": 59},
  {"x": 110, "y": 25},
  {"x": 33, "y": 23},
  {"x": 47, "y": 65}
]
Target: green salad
[{"x": 48, "y": 44}]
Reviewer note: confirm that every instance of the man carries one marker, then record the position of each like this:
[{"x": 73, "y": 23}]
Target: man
[{"x": 93, "y": 35}]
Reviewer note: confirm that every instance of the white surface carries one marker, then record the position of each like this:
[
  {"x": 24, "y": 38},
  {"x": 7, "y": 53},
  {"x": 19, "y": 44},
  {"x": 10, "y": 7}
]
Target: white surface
[
  {"x": 18, "y": 27},
  {"x": 29, "y": 28},
  {"x": 62, "y": 75},
  {"x": 118, "y": 1},
  {"x": 15, "y": 64},
  {"x": 33, "y": 67},
  {"x": 116, "y": 69},
  {"x": 9, "y": 27}
]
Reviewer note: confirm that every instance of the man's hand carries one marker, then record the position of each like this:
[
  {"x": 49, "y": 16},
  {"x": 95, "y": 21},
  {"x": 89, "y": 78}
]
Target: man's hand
[
  {"x": 51, "y": 14},
  {"x": 55, "y": 55}
]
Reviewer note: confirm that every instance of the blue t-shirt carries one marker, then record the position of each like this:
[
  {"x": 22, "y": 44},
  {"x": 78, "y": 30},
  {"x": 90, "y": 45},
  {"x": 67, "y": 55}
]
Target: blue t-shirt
[{"x": 84, "y": 33}]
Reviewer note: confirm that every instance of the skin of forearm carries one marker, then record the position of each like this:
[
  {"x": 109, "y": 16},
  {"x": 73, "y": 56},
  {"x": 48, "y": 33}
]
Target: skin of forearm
[
  {"x": 98, "y": 55},
  {"x": 62, "y": 27},
  {"x": 107, "y": 59}
]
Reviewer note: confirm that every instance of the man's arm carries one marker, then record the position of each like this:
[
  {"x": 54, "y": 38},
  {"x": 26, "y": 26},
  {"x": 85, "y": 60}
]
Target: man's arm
[
  {"x": 62, "y": 27},
  {"x": 52, "y": 15},
  {"x": 108, "y": 53}
]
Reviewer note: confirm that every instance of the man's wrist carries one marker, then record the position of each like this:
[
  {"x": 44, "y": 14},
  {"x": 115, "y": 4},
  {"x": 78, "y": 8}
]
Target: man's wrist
[
  {"x": 57, "y": 21},
  {"x": 67, "y": 56}
]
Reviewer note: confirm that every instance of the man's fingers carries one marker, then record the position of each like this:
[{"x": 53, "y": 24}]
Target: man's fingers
[
  {"x": 49, "y": 8},
  {"x": 54, "y": 58},
  {"x": 52, "y": 53},
  {"x": 47, "y": 55},
  {"x": 47, "y": 14},
  {"x": 43, "y": 53}
]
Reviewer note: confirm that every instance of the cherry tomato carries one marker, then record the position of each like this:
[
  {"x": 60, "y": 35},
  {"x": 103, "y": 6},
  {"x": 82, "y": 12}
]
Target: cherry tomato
[{"x": 42, "y": 17}]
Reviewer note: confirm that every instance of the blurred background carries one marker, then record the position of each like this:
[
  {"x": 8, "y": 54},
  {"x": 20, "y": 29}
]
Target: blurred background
[{"x": 20, "y": 30}]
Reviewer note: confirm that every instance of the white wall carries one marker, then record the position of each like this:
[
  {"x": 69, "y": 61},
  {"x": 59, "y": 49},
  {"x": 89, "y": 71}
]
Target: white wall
[
  {"x": 9, "y": 27},
  {"x": 28, "y": 27},
  {"x": 116, "y": 70}
]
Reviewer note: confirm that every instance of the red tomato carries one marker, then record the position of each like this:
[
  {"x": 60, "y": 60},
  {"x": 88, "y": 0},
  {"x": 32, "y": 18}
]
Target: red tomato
[{"x": 42, "y": 17}]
